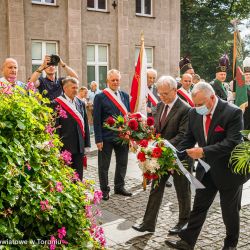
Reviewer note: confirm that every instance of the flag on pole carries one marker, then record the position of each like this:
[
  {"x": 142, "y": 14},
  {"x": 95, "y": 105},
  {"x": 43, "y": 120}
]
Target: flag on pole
[
  {"x": 240, "y": 88},
  {"x": 139, "y": 88}
]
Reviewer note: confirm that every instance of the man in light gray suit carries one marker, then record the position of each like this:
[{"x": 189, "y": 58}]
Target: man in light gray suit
[{"x": 171, "y": 119}]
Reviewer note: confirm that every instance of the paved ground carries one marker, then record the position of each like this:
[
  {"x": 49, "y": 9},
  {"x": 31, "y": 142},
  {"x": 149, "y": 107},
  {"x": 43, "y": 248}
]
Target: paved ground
[{"x": 120, "y": 213}]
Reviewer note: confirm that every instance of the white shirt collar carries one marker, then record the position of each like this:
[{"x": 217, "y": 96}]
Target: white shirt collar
[
  {"x": 185, "y": 91},
  {"x": 67, "y": 98},
  {"x": 170, "y": 105}
]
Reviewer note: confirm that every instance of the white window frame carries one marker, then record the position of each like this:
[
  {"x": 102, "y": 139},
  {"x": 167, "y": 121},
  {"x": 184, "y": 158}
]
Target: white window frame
[
  {"x": 43, "y": 2},
  {"x": 96, "y": 6},
  {"x": 96, "y": 63},
  {"x": 40, "y": 61},
  {"x": 143, "y": 9},
  {"x": 151, "y": 64}
]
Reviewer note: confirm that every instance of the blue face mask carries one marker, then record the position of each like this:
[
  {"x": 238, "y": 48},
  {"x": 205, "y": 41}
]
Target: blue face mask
[{"x": 202, "y": 110}]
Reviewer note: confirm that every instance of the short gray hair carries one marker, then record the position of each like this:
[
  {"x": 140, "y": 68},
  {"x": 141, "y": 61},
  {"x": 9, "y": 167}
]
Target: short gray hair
[
  {"x": 166, "y": 81},
  {"x": 93, "y": 82},
  {"x": 112, "y": 72},
  {"x": 69, "y": 79},
  {"x": 204, "y": 87},
  {"x": 151, "y": 70}
]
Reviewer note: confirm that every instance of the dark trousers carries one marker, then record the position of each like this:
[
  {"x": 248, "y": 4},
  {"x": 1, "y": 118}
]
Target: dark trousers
[
  {"x": 77, "y": 164},
  {"x": 183, "y": 192},
  {"x": 104, "y": 157},
  {"x": 230, "y": 201}
]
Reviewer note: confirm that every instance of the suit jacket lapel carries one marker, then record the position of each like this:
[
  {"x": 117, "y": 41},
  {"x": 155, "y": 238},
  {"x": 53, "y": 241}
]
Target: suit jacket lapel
[
  {"x": 158, "y": 116},
  {"x": 171, "y": 113},
  {"x": 214, "y": 121}
]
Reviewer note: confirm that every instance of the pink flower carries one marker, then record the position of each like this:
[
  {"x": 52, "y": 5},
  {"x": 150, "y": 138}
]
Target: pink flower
[
  {"x": 31, "y": 86},
  {"x": 64, "y": 242},
  {"x": 28, "y": 166},
  {"x": 59, "y": 187},
  {"x": 61, "y": 112},
  {"x": 61, "y": 233},
  {"x": 66, "y": 156},
  {"x": 6, "y": 89},
  {"x": 98, "y": 213},
  {"x": 75, "y": 177},
  {"x": 49, "y": 129},
  {"x": 51, "y": 144},
  {"x": 97, "y": 197},
  {"x": 88, "y": 210},
  {"x": 52, "y": 246},
  {"x": 44, "y": 205}
]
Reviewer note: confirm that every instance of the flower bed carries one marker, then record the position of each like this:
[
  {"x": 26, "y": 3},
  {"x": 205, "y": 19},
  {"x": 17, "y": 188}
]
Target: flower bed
[{"x": 42, "y": 199}]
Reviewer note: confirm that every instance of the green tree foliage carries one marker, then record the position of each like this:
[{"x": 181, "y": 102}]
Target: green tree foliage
[{"x": 206, "y": 32}]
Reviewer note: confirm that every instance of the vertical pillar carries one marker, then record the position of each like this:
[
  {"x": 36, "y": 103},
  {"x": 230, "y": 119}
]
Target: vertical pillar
[
  {"x": 16, "y": 41},
  {"x": 75, "y": 36}
]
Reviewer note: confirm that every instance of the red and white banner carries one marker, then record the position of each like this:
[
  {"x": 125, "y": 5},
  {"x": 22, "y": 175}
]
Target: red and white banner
[
  {"x": 117, "y": 102},
  {"x": 189, "y": 100},
  {"x": 71, "y": 109},
  {"x": 152, "y": 98},
  {"x": 139, "y": 88}
]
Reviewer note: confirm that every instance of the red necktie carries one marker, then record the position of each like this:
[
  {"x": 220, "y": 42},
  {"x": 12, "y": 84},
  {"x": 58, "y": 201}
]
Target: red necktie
[
  {"x": 164, "y": 115},
  {"x": 207, "y": 123}
]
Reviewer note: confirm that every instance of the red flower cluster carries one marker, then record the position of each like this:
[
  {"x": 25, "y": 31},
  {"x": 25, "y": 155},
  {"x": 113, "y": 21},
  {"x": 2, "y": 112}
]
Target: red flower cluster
[
  {"x": 143, "y": 143},
  {"x": 110, "y": 121},
  {"x": 141, "y": 156},
  {"x": 149, "y": 176},
  {"x": 150, "y": 121},
  {"x": 157, "y": 152},
  {"x": 133, "y": 124}
]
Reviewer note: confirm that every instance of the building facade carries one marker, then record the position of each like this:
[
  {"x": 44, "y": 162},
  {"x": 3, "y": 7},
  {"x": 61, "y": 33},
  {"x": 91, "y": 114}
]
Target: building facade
[{"x": 92, "y": 36}]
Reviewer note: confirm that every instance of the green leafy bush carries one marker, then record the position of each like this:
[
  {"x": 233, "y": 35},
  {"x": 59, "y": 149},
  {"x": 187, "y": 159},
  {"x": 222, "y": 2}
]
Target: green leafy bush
[{"x": 41, "y": 199}]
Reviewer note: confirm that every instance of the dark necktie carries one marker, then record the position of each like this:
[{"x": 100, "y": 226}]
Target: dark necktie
[{"x": 164, "y": 116}]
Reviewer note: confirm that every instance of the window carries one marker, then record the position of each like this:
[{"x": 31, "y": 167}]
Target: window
[
  {"x": 49, "y": 2},
  {"x": 149, "y": 53},
  {"x": 39, "y": 50},
  {"x": 144, "y": 7},
  {"x": 97, "y": 64},
  {"x": 100, "y": 5}
]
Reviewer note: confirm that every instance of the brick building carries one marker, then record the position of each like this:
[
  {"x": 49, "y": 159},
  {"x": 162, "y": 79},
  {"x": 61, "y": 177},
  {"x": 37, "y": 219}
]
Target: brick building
[{"x": 91, "y": 36}]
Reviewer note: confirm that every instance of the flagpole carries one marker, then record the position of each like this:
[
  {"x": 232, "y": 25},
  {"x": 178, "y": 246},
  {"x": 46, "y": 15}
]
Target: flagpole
[{"x": 234, "y": 22}]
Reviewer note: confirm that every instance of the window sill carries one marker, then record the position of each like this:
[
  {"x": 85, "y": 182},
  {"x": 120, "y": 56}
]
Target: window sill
[
  {"x": 97, "y": 10},
  {"x": 45, "y": 4},
  {"x": 141, "y": 15}
]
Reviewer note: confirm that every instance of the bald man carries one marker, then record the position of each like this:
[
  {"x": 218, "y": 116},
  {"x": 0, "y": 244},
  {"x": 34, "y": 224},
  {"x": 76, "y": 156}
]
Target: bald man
[{"x": 9, "y": 72}]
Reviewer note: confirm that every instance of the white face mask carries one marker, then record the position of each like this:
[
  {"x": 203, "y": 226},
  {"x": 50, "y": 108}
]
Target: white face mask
[{"x": 202, "y": 110}]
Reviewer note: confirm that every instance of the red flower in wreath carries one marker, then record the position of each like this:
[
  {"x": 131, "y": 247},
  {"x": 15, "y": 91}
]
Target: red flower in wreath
[
  {"x": 150, "y": 176},
  {"x": 141, "y": 156},
  {"x": 136, "y": 115},
  {"x": 143, "y": 143},
  {"x": 110, "y": 121},
  {"x": 157, "y": 152},
  {"x": 150, "y": 121},
  {"x": 133, "y": 124}
]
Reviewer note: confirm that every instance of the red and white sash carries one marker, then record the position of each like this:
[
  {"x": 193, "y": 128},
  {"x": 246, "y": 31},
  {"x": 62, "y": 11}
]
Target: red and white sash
[
  {"x": 182, "y": 93},
  {"x": 152, "y": 98},
  {"x": 71, "y": 109},
  {"x": 117, "y": 102}
]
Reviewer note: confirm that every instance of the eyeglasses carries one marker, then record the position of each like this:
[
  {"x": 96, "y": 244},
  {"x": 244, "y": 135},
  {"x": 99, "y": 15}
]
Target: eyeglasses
[{"x": 164, "y": 94}]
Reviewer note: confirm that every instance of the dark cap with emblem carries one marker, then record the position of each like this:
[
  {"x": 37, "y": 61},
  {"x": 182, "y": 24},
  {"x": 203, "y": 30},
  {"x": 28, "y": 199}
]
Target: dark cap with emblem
[
  {"x": 185, "y": 64},
  {"x": 246, "y": 65},
  {"x": 223, "y": 64}
]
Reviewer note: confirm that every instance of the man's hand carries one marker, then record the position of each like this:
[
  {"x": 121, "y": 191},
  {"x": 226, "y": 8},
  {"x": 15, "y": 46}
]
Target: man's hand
[
  {"x": 149, "y": 110},
  {"x": 195, "y": 153},
  {"x": 99, "y": 146},
  {"x": 46, "y": 61}
]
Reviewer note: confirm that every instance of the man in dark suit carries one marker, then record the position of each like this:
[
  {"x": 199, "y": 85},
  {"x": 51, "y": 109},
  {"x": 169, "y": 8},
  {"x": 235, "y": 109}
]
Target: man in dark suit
[
  {"x": 111, "y": 102},
  {"x": 73, "y": 128},
  {"x": 218, "y": 83},
  {"x": 171, "y": 122},
  {"x": 215, "y": 125}
]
